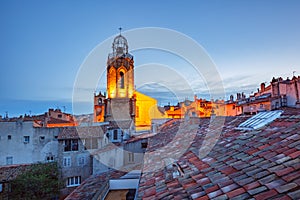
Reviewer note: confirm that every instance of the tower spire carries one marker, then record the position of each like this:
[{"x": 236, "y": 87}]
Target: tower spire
[{"x": 120, "y": 29}]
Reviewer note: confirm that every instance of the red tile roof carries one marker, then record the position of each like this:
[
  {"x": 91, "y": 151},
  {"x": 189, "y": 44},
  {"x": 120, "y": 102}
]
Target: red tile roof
[
  {"x": 94, "y": 186},
  {"x": 81, "y": 132},
  {"x": 263, "y": 164},
  {"x": 10, "y": 172}
]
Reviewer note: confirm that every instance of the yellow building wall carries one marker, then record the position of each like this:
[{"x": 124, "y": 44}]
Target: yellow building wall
[{"x": 146, "y": 110}]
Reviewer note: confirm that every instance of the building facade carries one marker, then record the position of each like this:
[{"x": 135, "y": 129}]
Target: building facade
[{"x": 22, "y": 143}]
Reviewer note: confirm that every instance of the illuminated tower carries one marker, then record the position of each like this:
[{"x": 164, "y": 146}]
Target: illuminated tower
[
  {"x": 122, "y": 102},
  {"x": 120, "y": 82},
  {"x": 99, "y": 107},
  {"x": 120, "y": 74}
]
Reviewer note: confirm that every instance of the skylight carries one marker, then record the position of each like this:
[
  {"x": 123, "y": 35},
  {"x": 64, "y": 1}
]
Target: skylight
[{"x": 259, "y": 120}]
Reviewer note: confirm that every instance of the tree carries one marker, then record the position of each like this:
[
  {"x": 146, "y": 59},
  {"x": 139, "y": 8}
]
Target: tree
[{"x": 39, "y": 181}]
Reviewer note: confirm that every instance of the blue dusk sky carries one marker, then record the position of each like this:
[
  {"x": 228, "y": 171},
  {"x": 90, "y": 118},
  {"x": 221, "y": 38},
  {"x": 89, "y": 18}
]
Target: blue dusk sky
[{"x": 44, "y": 43}]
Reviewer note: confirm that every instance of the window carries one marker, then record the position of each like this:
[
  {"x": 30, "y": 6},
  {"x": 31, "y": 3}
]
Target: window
[
  {"x": 259, "y": 120},
  {"x": 71, "y": 145},
  {"x": 73, "y": 181},
  {"x": 1, "y": 187},
  {"x": 233, "y": 107},
  {"x": 67, "y": 161},
  {"x": 50, "y": 158},
  {"x": 9, "y": 137},
  {"x": 115, "y": 136},
  {"x": 81, "y": 161},
  {"x": 9, "y": 160},
  {"x": 131, "y": 157},
  {"x": 59, "y": 116},
  {"x": 122, "y": 85},
  {"x": 42, "y": 137},
  {"x": 26, "y": 139},
  {"x": 144, "y": 145}
]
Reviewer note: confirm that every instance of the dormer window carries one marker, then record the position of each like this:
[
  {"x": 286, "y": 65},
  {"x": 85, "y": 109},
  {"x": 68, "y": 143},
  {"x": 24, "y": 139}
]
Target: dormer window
[{"x": 71, "y": 145}]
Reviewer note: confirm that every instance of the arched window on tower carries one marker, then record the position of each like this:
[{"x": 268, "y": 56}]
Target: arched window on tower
[{"x": 122, "y": 85}]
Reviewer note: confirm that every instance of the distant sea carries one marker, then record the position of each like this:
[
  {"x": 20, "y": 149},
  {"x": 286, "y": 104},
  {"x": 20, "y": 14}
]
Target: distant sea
[{"x": 15, "y": 108}]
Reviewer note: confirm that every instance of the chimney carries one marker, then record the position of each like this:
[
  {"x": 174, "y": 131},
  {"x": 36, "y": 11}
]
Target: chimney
[
  {"x": 231, "y": 97},
  {"x": 243, "y": 95},
  {"x": 262, "y": 87},
  {"x": 238, "y": 96}
]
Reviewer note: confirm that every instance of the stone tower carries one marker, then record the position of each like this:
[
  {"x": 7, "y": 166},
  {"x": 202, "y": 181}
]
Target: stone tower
[
  {"x": 120, "y": 104},
  {"x": 120, "y": 72},
  {"x": 99, "y": 107}
]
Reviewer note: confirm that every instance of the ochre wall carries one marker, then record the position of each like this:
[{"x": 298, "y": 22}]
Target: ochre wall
[{"x": 146, "y": 109}]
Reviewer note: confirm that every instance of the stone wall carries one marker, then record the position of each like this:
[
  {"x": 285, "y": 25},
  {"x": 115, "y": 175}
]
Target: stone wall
[{"x": 21, "y": 143}]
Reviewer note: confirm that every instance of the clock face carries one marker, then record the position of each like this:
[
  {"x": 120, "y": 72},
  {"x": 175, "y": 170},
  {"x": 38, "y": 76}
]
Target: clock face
[{"x": 99, "y": 101}]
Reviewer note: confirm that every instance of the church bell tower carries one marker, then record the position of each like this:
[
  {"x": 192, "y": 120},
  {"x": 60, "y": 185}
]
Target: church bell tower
[
  {"x": 120, "y": 72},
  {"x": 120, "y": 82}
]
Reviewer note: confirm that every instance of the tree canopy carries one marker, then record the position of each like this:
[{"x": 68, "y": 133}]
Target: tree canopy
[{"x": 39, "y": 181}]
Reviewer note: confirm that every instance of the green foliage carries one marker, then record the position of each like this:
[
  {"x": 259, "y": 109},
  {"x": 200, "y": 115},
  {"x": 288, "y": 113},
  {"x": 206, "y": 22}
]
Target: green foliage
[{"x": 39, "y": 181}]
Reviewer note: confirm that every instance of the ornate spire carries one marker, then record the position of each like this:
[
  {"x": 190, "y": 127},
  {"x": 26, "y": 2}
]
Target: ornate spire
[{"x": 120, "y": 45}]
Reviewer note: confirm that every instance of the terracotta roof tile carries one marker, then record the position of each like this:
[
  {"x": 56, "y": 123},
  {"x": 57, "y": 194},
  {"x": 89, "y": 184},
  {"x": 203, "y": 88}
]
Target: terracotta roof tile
[
  {"x": 90, "y": 188},
  {"x": 282, "y": 197},
  {"x": 266, "y": 195},
  {"x": 251, "y": 185},
  {"x": 275, "y": 183},
  {"x": 257, "y": 190},
  {"x": 236, "y": 192},
  {"x": 286, "y": 187},
  {"x": 295, "y": 194},
  {"x": 263, "y": 163},
  {"x": 10, "y": 172},
  {"x": 81, "y": 132}
]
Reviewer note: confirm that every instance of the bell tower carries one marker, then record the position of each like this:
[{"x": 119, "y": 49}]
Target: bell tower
[
  {"x": 120, "y": 82},
  {"x": 120, "y": 72}
]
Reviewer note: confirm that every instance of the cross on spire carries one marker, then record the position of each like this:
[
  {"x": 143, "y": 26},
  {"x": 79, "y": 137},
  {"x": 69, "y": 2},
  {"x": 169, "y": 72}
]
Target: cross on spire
[{"x": 120, "y": 29}]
